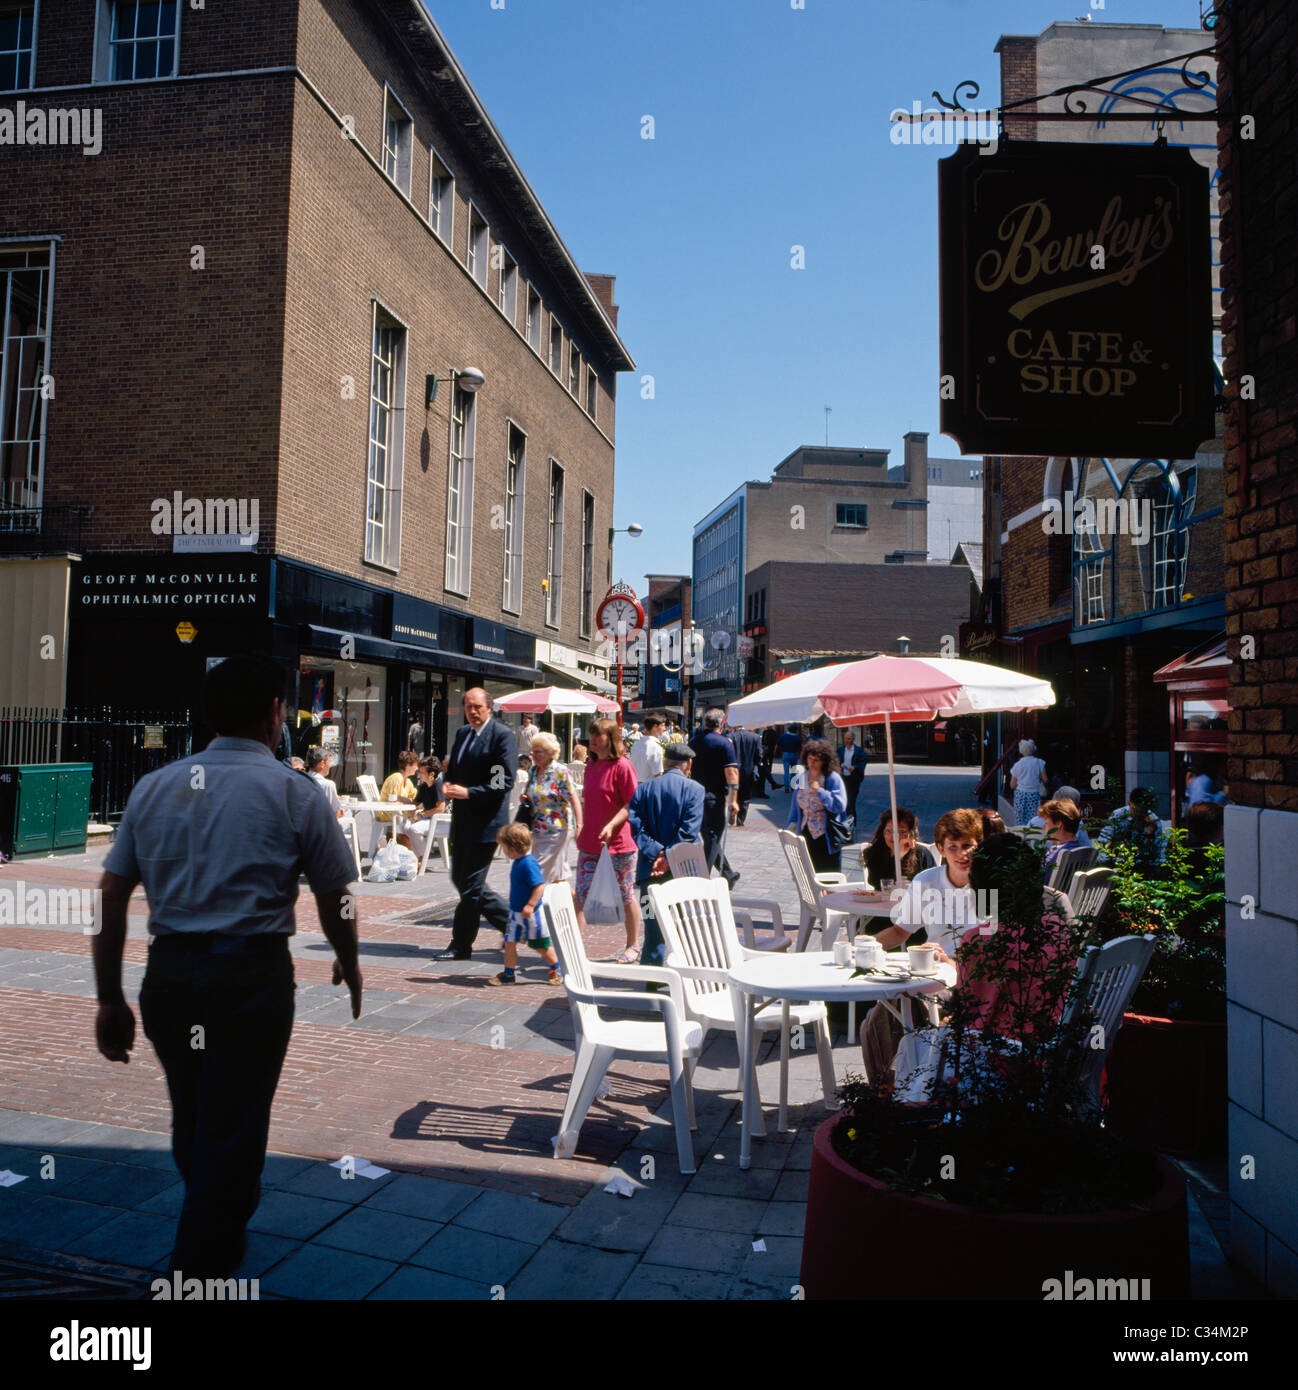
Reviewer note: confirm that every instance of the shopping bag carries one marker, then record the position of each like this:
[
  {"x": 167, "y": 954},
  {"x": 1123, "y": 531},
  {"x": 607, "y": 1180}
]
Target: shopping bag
[
  {"x": 386, "y": 864},
  {"x": 604, "y": 901},
  {"x": 407, "y": 865}
]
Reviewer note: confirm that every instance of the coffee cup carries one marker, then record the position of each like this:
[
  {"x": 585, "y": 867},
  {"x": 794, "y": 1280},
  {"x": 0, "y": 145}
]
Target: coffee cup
[
  {"x": 869, "y": 955},
  {"x": 923, "y": 959},
  {"x": 842, "y": 953}
]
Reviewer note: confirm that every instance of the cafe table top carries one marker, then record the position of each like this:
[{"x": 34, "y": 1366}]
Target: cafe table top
[{"x": 810, "y": 976}]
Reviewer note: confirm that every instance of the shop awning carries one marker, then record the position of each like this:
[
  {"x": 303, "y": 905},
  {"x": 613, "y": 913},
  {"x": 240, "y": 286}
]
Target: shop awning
[
  {"x": 584, "y": 678},
  {"x": 1206, "y": 662},
  {"x": 378, "y": 649}
]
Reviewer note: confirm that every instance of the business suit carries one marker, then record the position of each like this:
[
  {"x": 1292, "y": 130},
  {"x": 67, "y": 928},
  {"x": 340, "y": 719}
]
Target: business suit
[
  {"x": 853, "y": 774},
  {"x": 484, "y": 764},
  {"x": 664, "y": 812},
  {"x": 748, "y": 749}
]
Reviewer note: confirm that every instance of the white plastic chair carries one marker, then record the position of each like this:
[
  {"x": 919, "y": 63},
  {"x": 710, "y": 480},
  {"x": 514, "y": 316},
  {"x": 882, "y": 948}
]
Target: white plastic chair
[
  {"x": 810, "y": 886},
  {"x": 702, "y": 947},
  {"x": 1090, "y": 890},
  {"x": 687, "y": 860},
  {"x": 673, "y": 1038},
  {"x": 440, "y": 835},
  {"x": 1068, "y": 863}
]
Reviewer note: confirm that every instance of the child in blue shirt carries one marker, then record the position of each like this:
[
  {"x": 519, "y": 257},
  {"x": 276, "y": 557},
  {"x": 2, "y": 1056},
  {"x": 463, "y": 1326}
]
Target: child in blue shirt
[{"x": 526, "y": 886}]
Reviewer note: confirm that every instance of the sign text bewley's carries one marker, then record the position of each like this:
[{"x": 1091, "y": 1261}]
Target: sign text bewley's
[{"x": 1076, "y": 300}]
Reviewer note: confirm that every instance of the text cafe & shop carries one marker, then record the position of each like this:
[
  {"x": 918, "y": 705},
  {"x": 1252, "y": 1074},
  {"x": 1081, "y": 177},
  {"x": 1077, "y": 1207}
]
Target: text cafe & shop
[{"x": 376, "y": 671}]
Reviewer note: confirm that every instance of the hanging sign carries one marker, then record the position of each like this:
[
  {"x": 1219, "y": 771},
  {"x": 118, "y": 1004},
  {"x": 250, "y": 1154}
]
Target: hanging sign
[{"x": 1076, "y": 300}]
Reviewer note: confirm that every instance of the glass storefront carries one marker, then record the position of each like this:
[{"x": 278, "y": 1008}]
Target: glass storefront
[{"x": 343, "y": 704}]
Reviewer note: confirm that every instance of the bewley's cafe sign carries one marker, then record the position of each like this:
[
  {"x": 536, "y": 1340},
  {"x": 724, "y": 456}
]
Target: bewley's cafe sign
[
  {"x": 144, "y": 585},
  {"x": 1076, "y": 300}
]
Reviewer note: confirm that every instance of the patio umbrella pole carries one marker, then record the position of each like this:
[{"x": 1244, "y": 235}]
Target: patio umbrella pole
[{"x": 892, "y": 796}]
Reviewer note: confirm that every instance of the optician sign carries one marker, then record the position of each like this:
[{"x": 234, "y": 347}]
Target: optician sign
[
  {"x": 136, "y": 585},
  {"x": 1076, "y": 300}
]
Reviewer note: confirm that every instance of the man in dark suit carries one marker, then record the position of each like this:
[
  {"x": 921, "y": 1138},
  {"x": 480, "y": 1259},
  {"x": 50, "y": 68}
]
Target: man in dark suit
[
  {"x": 665, "y": 811},
  {"x": 748, "y": 749},
  {"x": 478, "y": 779},
  {"x": 851, "y": 757}
]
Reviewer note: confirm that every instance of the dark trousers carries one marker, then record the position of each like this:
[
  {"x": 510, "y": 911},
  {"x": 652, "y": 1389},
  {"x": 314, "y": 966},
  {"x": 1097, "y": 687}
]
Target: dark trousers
[
  {"x": 653, "y": 950},
  {"x": 469, "y": 865},
  {"x": 823, "y": 859},
  {"x": 852, "y": 780},
  {"x": 239, "y": 992},
  {"x": 748, "y": 788},
  {"x": 713, "y": 833}
]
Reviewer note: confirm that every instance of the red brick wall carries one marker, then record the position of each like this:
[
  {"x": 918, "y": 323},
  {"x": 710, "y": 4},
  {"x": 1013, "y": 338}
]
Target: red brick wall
[
  {"x": 1018, "y": 81},
  {"x": 1258, "y": 42}
]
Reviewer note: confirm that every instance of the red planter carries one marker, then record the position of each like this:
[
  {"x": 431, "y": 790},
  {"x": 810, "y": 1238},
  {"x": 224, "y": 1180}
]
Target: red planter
[
  {"x": 864, "y": 1241},
  {"x": 1166, "y": 1083}
]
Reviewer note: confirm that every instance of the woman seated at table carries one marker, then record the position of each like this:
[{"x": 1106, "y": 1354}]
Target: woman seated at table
[
  {"x": 823, "y": 794},
  {"x": 398, "y": 786},
  {"x": 940, "y": 903},
  {"x": 1062, "y": 820},
  {"x": 430, "y": 801},
  {"x": 880, "y": 863}
]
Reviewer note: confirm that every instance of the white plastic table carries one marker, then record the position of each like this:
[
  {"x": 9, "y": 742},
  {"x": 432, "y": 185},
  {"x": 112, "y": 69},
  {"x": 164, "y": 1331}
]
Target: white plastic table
[{"x": 802, "y": 979}]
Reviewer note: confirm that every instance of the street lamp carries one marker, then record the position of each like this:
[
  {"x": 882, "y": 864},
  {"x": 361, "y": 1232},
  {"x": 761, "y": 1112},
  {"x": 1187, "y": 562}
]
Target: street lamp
[
  {"x": 635, "y": 529},
  {"x": 468, "y": 379}
]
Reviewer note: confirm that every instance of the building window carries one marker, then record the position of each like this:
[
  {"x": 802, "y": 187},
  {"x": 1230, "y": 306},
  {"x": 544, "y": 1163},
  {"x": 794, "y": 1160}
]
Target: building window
[
  {"x": 459, "y": 493},
  {"x": 587, "y": 561},
  {"x": 25, "y": 285},
  {"x": 507, "y": 292},
  {"x": 554, "y": 549},
  {"x": 476, "y": 258},
  {"x": 387, "y": 432},
  {"x": 532, "y": 328},
  {"x": 851, "y": 514},
  {"x": 398, "y": 136},
  {"x": 556, "y": 345},
  {"x": 441, "y": 197},
  {"x": 140, "y": 39},
  {"x": 574, "y": 372},
  {"x": 515, "y": 464},
  {"x": 592, "y": 391},
  {"x": 17, "y": 46}
]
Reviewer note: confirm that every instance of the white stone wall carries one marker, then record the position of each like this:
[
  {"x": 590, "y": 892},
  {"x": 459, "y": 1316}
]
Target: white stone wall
[{"x": 1262, "y": 989}]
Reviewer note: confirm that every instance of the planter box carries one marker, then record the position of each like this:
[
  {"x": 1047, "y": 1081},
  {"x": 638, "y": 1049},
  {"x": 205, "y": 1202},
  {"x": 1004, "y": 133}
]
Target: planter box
[
  {"x": 865, "y": 1241},
  {"x": 1166, "y": 1083}
]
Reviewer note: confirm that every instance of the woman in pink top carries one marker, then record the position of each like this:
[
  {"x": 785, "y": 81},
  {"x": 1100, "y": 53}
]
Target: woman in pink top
[{"x": 606, "y": 794}]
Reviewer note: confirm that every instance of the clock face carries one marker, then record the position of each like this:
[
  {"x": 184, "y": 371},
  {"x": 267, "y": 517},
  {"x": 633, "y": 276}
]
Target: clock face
[{"x": 619, "y": 617}]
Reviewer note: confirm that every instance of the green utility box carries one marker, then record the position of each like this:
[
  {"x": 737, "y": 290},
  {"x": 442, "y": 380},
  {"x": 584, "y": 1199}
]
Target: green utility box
[{"x": 44, "y": 808}]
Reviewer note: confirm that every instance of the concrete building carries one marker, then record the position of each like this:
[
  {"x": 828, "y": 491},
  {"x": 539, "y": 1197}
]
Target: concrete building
[
  {"x": 665, "y": 674},
  {"x": 822, "y": 506},
  {"x": 955, "y": 507},
  {"x": 1092, "y": 612},
  {"x": 301, "y": 230}
]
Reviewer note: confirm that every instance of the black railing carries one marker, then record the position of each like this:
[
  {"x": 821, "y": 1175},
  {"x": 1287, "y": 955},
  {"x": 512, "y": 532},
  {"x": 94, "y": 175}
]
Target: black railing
[
  {"x": 121, "y": 746},
  {"x": 32, "y": 530}
]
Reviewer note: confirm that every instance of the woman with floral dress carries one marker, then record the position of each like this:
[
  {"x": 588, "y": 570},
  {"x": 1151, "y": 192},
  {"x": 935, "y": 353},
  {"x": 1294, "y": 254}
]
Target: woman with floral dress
[{"x": 556, "y": 808}]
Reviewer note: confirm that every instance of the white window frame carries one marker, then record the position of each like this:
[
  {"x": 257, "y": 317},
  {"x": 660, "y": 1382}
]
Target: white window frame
[
  {"x": 383, "y": 535},
  {"x": 477, "y": 250},
  {"x": 511, "y": 580},
  {"x": 459, "y": 492},
  {"x": 33, "y": 489},
  {"x": 532, "y": 322},
  {"x": 400, "y": 155},
  {"x": 36, "y": 38},
  {"x": 554, "y": 544},
  {"x": 555, "y": 358},
  {"x": 103, "y": 64},
  {"x": 443, "y": 220},
  {"x": 591, "y": 402},
  {"x": 507, "y": 287},
  {"x": 575, "y": 360},
  {"x": 584, "y": 617}
]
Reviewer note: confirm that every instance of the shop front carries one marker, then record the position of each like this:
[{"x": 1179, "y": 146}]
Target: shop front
[{"x": 1198, "y": 713}]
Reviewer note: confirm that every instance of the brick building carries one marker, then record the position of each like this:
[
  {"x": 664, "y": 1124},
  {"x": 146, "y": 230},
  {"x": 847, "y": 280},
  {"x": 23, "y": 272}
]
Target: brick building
[
  {"x": 1257, "y": 46},
  {"x": 295, "y": 223},
  {"x": 823, "y": 506},
  {"x": 1098, "y": 612}
]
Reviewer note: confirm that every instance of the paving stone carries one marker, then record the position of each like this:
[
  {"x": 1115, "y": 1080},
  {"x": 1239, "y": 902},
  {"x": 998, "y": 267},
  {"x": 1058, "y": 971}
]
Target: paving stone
[
  {"x": 610, "y": 1222},
  {"x": 317, "y": 1271},
  {"x": 337, "y": 1011},
  {"x": 279, "y": 1168},
  {"x": 429, "y": 1285},
  {"x": 133, "y": 1238},
  {"x": 771, "y": 1288},
  {"x": 656, "y": 1282},
  {"x": 264, "y": 1253},
  {"x": 110, "y": 1143},
  {"x": 324, "y": 1180},
  {"x": 168, "y": 1202},
  {"x": 119, "y": 1184},
  {"x": 48, "y": 1223},
  {"x": 507, "y": 1214},
  {"x": 68, "y": 1171},
  {"x": 728, "y": 1179},
  {"x": 15, "y": 1203},
  {"x": 739, "y": 1215},
  {"x": 384, "y": 1234},
  {"x": 475, "y": 1256},
  {"x": 783, "y": 1255},
  {"x": 430, "y": 1199},
  {"x": 17, "y": 1127},
  {"x": 385, "y": 1022},
  {"x": 688, "y": 1247},
  {"x": 291, "y": 1214},
  {"x": 792, "y": 1187},
  {"x": 783, "y": 1219},
  {"x": 443, "y": 1025},
  {"x": 562, "y": 1271}
]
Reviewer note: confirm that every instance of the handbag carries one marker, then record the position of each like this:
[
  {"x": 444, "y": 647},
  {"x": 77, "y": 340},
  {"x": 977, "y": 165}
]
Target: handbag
[
  {"x": 526, "y": 812},
  {"x": 839, "y": 830}
]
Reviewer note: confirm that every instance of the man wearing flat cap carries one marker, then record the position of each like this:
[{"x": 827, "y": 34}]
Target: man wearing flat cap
[{"x": 663, "y": 812}]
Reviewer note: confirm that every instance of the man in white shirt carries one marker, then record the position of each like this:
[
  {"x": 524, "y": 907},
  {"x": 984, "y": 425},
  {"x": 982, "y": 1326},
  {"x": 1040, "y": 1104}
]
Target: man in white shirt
[
  {"x": 647, "y": 752},
  {"x": 525, "y": 736},
  {"x": 319, "y": 762}
]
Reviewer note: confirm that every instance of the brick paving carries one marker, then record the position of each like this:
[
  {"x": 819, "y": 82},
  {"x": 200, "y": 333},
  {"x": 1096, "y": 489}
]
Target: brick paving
[{"x": 454, "y": 1086}]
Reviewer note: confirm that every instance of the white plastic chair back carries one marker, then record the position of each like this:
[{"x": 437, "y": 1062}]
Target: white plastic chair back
[
  {"x": 812, "y": 912},
  {"x": 439, "y": 828},
  {"x": 1107, "y": 977},
  {"x": 1090, "y": 890},
  {"x": 1069, "y": 863},
  {"x": 369, "y": 787},
  {"x": 561, "y": 913},
  {"x": 688, "y": 860},
  {"x": 698, "y": 926}
]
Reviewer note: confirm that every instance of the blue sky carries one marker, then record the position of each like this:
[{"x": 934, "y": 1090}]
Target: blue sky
[{"x": 770, "y": 131}]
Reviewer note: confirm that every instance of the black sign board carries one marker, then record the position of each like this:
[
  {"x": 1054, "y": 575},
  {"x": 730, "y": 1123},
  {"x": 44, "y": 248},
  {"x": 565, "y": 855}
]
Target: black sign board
[
  {"x": 416, "y": 623},
  {"x": 1076, "y": 300},
  {"x": 488, "y": 640},
  {"x": 172, "y": 586}
]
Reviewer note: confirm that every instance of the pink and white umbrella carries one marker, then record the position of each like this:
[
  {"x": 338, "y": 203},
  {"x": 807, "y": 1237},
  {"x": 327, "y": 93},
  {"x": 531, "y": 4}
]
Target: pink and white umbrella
[
  {"x": 894, "y": 688},
  {"x": 555, "y": 699}
]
